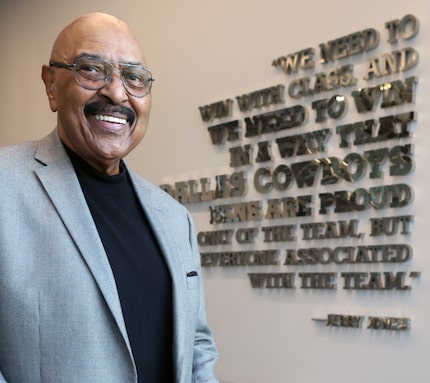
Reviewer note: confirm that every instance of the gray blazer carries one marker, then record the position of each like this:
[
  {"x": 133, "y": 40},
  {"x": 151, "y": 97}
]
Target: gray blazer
[{"x": 60, "y": 315}]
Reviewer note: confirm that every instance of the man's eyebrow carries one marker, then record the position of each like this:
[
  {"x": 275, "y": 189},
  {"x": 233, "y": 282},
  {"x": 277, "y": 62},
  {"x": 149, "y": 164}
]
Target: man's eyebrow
[
  {"x": 96, "y": 56},
  {"x": 89, "y": 55}
]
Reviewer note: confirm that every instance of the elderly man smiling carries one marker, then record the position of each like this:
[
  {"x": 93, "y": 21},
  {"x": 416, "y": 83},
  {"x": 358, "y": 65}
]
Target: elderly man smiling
[{"x": 100, "y": 277}]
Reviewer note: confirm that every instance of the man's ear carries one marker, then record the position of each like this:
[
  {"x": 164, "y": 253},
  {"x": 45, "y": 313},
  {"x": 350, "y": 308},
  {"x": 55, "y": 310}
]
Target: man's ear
[{"x": 48, "y": 78}]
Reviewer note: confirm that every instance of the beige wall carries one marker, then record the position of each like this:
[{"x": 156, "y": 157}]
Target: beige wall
[{"x": 201, "y": 52}]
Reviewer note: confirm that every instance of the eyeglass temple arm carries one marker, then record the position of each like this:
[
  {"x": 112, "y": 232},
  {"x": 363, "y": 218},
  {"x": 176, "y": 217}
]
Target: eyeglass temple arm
[{"x": 61, "y": 65}]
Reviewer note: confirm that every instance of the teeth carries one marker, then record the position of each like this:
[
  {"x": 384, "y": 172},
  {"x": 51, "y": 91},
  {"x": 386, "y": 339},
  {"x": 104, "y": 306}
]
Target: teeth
[{"x": 116, "y": 120}]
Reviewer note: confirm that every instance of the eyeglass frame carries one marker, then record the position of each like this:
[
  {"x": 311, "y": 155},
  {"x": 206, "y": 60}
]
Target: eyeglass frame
[{"x": 108, "y": 79}]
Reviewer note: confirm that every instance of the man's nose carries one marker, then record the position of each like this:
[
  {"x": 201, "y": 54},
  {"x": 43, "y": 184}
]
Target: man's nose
[{"x": 114, "y": 89}]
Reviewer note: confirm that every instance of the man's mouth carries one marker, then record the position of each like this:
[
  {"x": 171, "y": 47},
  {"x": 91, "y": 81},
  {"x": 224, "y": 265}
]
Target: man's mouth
[
  {"x": 109, "y": 113},
  {"x": 113, "y": 119}
]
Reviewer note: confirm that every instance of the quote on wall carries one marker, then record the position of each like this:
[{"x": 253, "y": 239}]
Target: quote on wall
[{"x": 294, "y": 145}]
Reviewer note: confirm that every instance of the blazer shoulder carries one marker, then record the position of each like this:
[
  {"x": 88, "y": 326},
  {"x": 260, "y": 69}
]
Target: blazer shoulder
[
  {"x": 17, "y": 156},
  {"x": 21, "y": 149},
  {"x": 24, "y": 158}
]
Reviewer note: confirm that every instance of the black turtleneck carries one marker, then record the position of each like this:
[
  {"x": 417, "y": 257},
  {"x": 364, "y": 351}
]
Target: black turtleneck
[{"x": 142, "y": 278}]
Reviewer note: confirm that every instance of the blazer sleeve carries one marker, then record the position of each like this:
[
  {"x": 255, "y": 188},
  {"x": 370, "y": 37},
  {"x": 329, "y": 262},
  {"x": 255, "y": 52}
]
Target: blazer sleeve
[{"x": 205, "y": 352}]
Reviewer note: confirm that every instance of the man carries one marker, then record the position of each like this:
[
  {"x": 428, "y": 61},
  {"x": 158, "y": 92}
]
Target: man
[{"x": 100, "y": 279}]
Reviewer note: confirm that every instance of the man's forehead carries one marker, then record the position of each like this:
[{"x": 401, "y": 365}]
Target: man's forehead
[{"x": 99, "y": 34}]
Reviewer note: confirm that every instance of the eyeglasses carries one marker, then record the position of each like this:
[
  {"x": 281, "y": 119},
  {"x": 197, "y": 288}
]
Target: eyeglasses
[{"x": 94, "y": 73}]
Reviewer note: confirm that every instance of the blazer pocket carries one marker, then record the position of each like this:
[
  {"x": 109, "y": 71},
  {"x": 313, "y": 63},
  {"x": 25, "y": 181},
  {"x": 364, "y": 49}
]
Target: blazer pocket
[{"x": 192, "y": 280}]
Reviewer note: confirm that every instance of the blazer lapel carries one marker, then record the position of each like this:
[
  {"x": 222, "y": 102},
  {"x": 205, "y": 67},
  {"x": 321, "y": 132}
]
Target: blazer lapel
[
  {"x": 160, "y": 219},
  {"x": 61, "y": 184}
]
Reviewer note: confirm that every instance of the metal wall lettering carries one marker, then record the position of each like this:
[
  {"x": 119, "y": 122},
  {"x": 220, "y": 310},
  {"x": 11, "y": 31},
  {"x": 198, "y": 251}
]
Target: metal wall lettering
[{"x": 313, "y": 189}]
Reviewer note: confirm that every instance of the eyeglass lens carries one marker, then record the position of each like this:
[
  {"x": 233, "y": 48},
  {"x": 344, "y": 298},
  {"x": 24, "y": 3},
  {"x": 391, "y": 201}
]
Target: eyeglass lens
[{"x": 94, "y": 73}]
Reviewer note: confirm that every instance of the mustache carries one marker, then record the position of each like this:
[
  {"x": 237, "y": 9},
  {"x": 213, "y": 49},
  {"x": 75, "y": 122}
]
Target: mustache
[{"x": 98, "y": 107}]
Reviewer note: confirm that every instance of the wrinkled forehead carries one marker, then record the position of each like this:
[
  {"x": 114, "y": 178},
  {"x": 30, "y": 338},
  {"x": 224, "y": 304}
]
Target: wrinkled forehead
[{"x": 100, "y": 35}]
